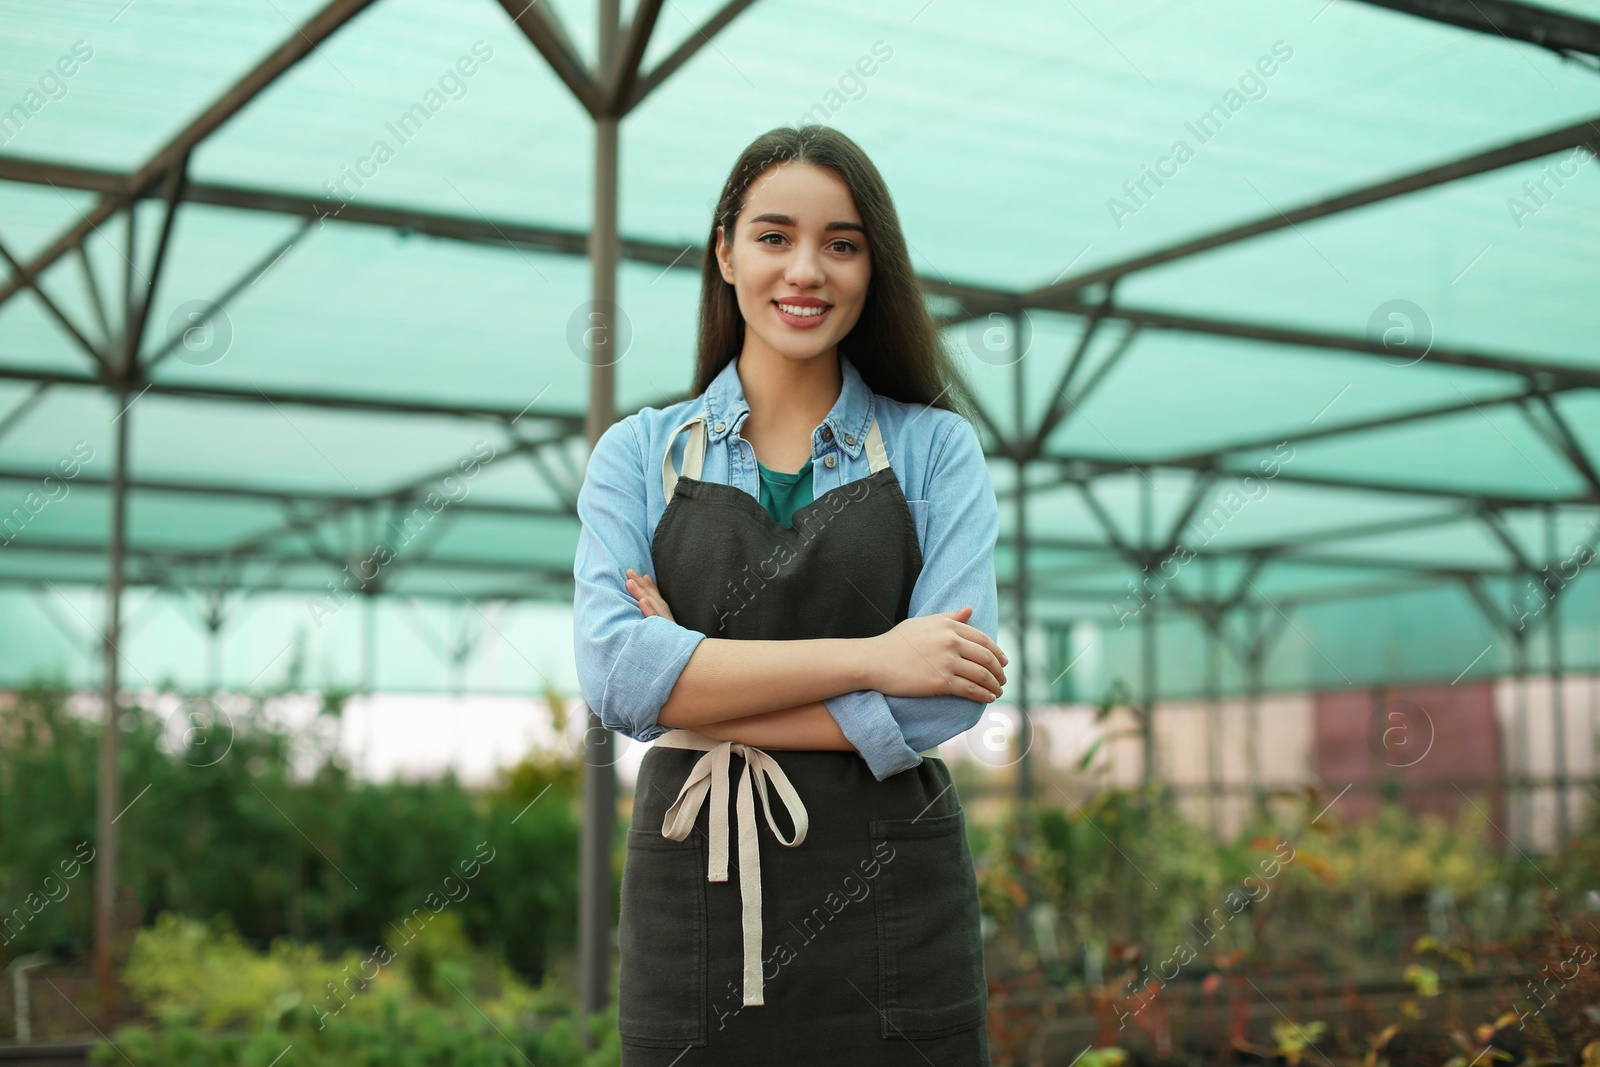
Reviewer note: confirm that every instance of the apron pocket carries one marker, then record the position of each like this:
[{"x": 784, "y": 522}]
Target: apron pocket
[
  {"x": 930, "y": 944},
  {"x": 661, "y": 935}
]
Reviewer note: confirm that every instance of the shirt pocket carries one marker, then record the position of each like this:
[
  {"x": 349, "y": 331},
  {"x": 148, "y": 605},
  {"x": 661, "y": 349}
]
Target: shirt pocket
[
  {"x": 661, "y": 936},
  {"x": 930, "y": 942}
]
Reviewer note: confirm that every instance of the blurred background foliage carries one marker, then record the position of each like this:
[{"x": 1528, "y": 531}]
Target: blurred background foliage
[
  {"x": 1399, "y": 938},
  {"x": 275, "y": 899},
  {"x": 214, "y": 1001},
  {"x": 278, "y": 838}
]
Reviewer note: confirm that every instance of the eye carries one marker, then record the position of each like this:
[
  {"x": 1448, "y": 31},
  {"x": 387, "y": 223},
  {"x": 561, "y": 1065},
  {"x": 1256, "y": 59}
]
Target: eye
[
  {"x": 849, "y": 246},
  {"x": 770, "y": 233}
]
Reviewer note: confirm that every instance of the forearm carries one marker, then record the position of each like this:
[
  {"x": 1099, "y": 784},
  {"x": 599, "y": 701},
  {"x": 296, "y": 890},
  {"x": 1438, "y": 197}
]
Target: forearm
[
  {"x": 732, "y": 679},
  {"x": 805, "y": 726}
]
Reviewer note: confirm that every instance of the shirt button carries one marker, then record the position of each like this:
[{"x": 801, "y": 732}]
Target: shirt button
[
  {"x": 827, "y": 433},
  {"x": 828, "y": 460},
  {"x": 849, "y": 439},
  {"x": 718, "y": 427}
]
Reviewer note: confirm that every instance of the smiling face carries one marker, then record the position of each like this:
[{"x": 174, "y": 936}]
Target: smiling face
[{"x": 798, "y": 261}]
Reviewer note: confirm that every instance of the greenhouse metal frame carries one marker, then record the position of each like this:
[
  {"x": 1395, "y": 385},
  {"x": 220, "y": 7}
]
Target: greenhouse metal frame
[{"x": 1049, "y": 581}]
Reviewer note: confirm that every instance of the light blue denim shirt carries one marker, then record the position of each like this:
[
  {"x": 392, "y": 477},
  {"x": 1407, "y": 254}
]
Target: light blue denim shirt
[{"x": 628, "y": 663}]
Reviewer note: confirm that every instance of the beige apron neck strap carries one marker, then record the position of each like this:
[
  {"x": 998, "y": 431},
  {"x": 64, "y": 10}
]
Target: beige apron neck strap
[
  {"x": 877, "y": 457},
  {"x": 694, "y": 454}
]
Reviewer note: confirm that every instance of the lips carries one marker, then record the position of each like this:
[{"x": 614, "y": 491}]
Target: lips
[{"x": 806, "y": 314}]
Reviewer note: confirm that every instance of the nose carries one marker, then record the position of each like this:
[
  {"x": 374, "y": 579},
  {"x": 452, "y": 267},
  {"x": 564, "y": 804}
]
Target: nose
[{"x": 805, "y": 268}]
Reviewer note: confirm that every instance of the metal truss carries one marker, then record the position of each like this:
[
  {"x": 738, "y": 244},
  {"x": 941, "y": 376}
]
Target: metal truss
[{"x": 116, "y": 361}]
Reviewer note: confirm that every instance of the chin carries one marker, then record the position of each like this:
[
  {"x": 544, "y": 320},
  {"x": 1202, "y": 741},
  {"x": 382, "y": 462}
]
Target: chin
[
  {"x": 791, "y": 347},
  {"x": 808, "y": 351}
]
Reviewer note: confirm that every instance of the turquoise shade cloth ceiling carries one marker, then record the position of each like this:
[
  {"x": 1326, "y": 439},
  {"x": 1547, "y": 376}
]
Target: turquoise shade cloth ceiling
[{"x": 1411, "y": 488}]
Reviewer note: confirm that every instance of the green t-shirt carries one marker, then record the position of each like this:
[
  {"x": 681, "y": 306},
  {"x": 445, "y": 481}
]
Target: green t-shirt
[{"x": 782, "y": 494}]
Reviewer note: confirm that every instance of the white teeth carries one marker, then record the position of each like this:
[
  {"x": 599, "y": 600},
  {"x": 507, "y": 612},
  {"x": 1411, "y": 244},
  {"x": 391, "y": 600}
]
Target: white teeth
[{"x": 804, "y": 312}]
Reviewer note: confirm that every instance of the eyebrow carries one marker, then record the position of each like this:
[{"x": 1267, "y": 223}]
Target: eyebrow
[{"x": 785, "y": 220}]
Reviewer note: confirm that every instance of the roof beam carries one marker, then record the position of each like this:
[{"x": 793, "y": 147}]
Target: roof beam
[
  {"x": 147, "y": 362},
  {"x": 621, "y": 81},
  {"x": 539, "y": 24},
  {"x": 648, "y": 84},
  {"x": 1558, "y": 32},
  {"x": 398, "y": 499},
  {"x": 575, "y": 242},
  {"x": 1571, "y": 374},
  {"x": 1558, "y": 434},
  {"x": 138, "y": 310},
  {"x": 1075, "y": 469},
  {"x": 347, "y": 402},
  {"x": 1059, "y": 399},
  {"x": 1210, "y": 455},
  {"x": 288, "y": 495},
  {"x": 295, "y": 47},
  {"x": 172, "y": 557},
  {"x": 23, "y": 276},
  {"x": 27, "y": 276},
  {"x": 1288, "y": 549},
  {"x": 1062, "y": 294}
]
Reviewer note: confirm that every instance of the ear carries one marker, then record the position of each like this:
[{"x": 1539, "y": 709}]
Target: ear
[{"x": 724, "y": 258}]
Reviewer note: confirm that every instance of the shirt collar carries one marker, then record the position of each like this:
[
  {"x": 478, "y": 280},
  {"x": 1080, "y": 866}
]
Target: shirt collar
[{"x": 726, "y": 408}]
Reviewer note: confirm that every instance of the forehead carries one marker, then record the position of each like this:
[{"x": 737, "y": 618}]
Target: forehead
[{"x": 809, "y": 194}]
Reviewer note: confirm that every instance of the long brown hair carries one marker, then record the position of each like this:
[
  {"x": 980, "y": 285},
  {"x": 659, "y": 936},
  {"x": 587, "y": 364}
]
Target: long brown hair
[{"x": 895, "y": 344}]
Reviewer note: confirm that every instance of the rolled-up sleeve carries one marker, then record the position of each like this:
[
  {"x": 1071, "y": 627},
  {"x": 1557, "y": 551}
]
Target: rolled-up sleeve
[
  {"x": 963, "y": 527},
  {"x": 627, "y": 662}
]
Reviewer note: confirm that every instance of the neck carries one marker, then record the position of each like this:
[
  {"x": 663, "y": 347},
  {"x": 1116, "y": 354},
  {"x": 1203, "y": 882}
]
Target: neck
[{"x": 788, "y": 396}]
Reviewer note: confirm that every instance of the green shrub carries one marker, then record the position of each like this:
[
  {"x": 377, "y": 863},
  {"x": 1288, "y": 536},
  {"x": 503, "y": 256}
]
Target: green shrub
[
  {"x": 213, "y": 1000},
  {"x": 265, "y": 827}
]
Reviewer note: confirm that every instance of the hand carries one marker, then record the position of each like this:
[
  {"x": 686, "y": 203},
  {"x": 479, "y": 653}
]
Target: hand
[
  {"x": 934, "y": 655},
  {"x": 644, "y": 590}
]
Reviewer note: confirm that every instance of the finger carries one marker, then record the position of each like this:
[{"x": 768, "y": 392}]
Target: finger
[
  {"x": 972, "y": 633},
  {"x": 974, "y": 652},
  {"x": 975, "y": 682},
  {"x": 980, "y": 647}
]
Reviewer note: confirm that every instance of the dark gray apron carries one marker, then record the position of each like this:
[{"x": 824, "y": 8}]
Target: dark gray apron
[{"x": 849, "y": 934}]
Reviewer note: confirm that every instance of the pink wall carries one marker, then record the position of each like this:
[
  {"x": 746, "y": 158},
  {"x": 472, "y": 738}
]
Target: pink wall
[{"x": 1428, "y": 737}]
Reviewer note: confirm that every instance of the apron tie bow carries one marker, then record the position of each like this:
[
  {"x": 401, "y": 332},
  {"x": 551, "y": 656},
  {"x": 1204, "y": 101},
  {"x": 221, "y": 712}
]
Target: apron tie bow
[{"x": 710, "y": 774}]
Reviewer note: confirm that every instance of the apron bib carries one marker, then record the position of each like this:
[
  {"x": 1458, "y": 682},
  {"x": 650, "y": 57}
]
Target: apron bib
[{"x": 850, "y": 932}]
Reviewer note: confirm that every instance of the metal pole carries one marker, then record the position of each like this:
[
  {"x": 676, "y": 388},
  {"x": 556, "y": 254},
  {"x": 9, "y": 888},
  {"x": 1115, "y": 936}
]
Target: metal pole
[
  {"x": 1024, "y": 815},
  {"x": 1521, "y": 824},
  {"x": 1256, "y": 650},
  {"x": 599, "y": 784},
  {"x": 369, "y": 644},
  {"x": 1147, "y": 633},
  {"x": 1213, "y": 699},
  {"x": 108, "y": 794},
  {"x": 1558, "y": 707},
  {"x": 213, "y": 652},
  {"x": 215, "y": 619},
  {"x": 105, "y": 875}
]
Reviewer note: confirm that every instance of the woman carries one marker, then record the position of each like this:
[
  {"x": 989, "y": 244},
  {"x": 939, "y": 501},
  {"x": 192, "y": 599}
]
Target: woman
[{"x": 812, "y": 630}]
